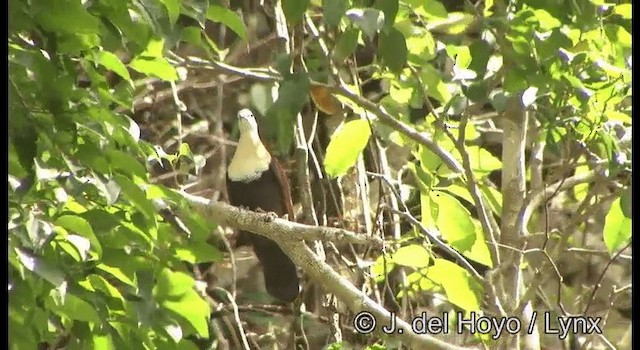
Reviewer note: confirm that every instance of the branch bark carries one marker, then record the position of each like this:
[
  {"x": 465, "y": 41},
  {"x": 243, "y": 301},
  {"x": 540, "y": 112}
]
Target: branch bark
[{"x": 515, "y": 122}]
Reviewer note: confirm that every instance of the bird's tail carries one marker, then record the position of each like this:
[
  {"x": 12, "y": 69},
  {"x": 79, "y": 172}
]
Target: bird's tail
[{"x": 280, "y": 275}]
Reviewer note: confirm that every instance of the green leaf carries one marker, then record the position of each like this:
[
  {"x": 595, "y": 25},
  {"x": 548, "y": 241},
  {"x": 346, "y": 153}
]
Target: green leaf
[
  {"x": 21, "y": 336},
  {"x": 173, "y": 9},
  {"x": 625, "y": 202},
  {"x": 381, "y": 267},
  {"x": 294, "y": 92},
  {"x": 103, "y": 342},
  {"x": 41, "y": 267},
  {"x": 547, "y": 21},
  {"x": 192, "y": 35},
  {"x": 428, "y": 211},
  {"x": 460, "y": 287},
  {"x": 122, "y": 274},
  {"x": 82, "y": 246},
  {"x": 229, "y": 18},
  {"x": 430, "y": 8},
  {"x": 294, "y": 10},
  {"x": 412, "y": 256},
  {"x": 369, "y": 20},
  {"x": 580, "y": 191},
  {"x": 192, "y": 308},
  {"x": 393, "y": 49},
  {"x": 420, "y": 43},
  {"x": 345, "y": 147},
  {"x": 432, "y": 163},
  {"x": 154, "y": 48},
  {"x": 617, "y": 228},
  {"x": 73, "y": 308},
  {"x": 482, "y": 161},
  {"x": 346, "y": 44},
  {"x": 195, "y": 9},
  {"x": 293, "y": 95},
  {"x": 624, "y": 10},
  {"x": 79, "y": 225},
  {"x": 24, "y": 137},
  {"x": 197, "y": 253},
  {"x": 390, "y": 10},
  {"x": 436, "y": 88},
  {"x": 492, "y": 196},
  {"x": 454, "y": 221},
  {"x": 479, "y": 252},
  {"x": 64, "y": 16},
  {"x": 156, "y": 67},
  {"x": 126, "y": 23},
  {"x": 617, "y": 34},
  {"x": 95, "y": 282},
  {"x": 137, "y": 197},
  {"x": 455, "y": 23},
  {"x": 172, "y": 284},
  {"x": 101, "y": 220},
  {"x": 333, "y": 11},
  {"x": 418, "y": 281},
  {"x": 111, "y": 62},
  {"x": 126, "y": 163}
]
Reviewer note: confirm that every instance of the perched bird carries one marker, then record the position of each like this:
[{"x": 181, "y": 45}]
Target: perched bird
[{"x": 256, "y": 182}]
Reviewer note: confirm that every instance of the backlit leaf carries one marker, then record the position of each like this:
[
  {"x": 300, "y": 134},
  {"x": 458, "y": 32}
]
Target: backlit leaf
[
  {"x": 345, "y": 147},
  {"x": 617, "y": 228}
]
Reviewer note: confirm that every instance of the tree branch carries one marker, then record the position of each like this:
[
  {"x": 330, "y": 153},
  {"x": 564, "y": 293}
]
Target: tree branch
[
  {"x": 285, "y": 233},
  {"x": 276, "y": 228}
]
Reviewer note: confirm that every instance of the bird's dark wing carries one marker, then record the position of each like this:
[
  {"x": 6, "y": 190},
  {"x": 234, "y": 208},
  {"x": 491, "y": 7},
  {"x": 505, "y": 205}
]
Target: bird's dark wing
[{"x": 285, "y": 189}]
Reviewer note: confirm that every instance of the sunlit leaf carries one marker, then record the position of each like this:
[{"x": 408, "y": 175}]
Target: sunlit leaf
[
  {"x": 345, "y": 147},
  {"x": 193, "y": 309},
  {"x": 172, "y": 284},
  {"x": 460, "y": 287},
  {"x": 79, "y": 225},
  {"x": 113, "y": 63},
  {"x": 381, "y": 267},
  {"x": 454, "y": 221},
  {"x": 156, "y": 67},
  {"x": 74, "y": 308},
  {"x": 198, "y": 253},
  {"x": 547, "y": 21},
  {"x": 42, "y": 268},
  {"x": 617, "y": 228},
  {"x": 624, "y": 10},
  {"x": 412, "y": 255}
]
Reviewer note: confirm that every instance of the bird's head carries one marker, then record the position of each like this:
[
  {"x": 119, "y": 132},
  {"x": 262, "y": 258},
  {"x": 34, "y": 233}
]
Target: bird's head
[
  {"x": 251, "y": 158},
  {"x": 247, "y": 121}
]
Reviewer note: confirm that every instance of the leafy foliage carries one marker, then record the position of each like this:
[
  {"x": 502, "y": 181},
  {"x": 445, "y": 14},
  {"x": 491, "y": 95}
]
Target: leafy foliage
[
  {"x": 89, "y": 256},
  {"x": 92, "y": 263}
]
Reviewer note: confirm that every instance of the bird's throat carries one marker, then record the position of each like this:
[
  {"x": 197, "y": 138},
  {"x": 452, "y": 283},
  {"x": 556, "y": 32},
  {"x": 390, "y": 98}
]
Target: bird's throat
[{"x": 250, "y": 160}]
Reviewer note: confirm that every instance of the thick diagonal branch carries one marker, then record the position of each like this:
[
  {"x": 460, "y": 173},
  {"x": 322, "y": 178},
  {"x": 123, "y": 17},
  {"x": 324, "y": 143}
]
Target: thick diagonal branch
[{"x": 290, "y": 236}]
